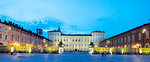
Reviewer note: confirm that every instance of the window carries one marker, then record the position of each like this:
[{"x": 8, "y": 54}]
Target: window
[
  {"x": 25, "y": 39},
  {"x": 18, "y": 38},
  {"x": 6, "y": 37},
  {"x": 139, "y": 36},
  {"x": 115, "y": 41},
  {"x": 118, "y": 41},
  {"x": 125, "y": 39},
  {"x": 22, "y": 39},
  {"x": 128, "y": 38},
  {"x": 147, "y": 34},
  {"x": 121, "y": 40},
  {"x": 12, "y": 36},
  {"x": 6, "y": 29},
  {"x": 0, "y": 36},
  {"x": 31, "y": 41},
  {"x": 133, "y": 39}
]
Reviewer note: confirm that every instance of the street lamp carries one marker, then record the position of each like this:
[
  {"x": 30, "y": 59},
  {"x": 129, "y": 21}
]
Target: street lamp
[{"x": 144, "y": 30}]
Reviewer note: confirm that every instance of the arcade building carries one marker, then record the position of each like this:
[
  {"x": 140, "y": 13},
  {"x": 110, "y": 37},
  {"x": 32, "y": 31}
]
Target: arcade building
[
  {"x": 12, "y": 34},
  {"x": 138, "y": 37}
]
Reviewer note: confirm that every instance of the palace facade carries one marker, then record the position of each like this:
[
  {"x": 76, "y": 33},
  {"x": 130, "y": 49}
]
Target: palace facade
[
  {"x": 78, "y": 42},
  {"x": 12, "y": 34},
  {"x": 137, "y": 37}
]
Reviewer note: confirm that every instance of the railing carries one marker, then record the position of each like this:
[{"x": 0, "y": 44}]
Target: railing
[
  {"x": 145, "y": 50},
  {"x": 101, "y": 49},
  {"x": 122, "y": 50},
  {"x": 26, "y": 49}
]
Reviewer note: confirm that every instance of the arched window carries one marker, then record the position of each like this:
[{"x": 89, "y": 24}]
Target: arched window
[{"x": 1, "y": 43}]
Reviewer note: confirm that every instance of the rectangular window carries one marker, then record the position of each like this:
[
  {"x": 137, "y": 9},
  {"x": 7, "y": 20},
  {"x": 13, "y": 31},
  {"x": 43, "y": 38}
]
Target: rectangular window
[
  {"x": 133, "y": 38},
  {"x": 25, "y": 39},
  {"x": 12, "y": 36},
  {"x": 18, "y": 38},
  {"x": 0, "y": 36},
  {"x": 139, "y": 36},
  {"x": 128, "y": 38},
  {"x": 0, "y": 27},
  {"x": 115, "y": 41},
  {"x": 22, "y": 39},
  {"x": 118, "y": 41},
  {"x": 121, "y": 40},
  {"x": 125, "y": 39},
  {"x": 147, "y": 34}
]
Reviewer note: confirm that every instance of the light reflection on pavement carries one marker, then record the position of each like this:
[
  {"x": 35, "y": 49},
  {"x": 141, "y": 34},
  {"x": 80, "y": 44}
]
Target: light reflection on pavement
[{"x": 71, "y": 58}]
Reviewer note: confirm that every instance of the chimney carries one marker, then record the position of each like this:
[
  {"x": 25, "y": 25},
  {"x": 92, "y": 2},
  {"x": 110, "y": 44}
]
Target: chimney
[
  {"x": 5, "y": 22},
  {"x": 16, "y": 25},
  {"x": 13, "y": 24}
]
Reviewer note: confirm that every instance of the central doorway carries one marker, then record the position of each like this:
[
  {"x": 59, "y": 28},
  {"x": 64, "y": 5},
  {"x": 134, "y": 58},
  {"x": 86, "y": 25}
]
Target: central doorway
[{"x": 76, "y": 50}]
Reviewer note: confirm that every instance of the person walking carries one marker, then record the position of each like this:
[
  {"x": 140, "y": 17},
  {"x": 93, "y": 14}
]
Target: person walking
[
  {"x": 105, "y": 53},
  {"x": 102, "y": 54}
]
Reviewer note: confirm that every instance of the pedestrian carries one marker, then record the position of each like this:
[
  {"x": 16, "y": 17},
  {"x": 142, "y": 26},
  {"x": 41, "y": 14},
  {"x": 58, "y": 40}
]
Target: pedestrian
[
  {"x": 138, "y": 53},
  {"x": 102, "y": 54},
  {"x": 105, "y": 53}
]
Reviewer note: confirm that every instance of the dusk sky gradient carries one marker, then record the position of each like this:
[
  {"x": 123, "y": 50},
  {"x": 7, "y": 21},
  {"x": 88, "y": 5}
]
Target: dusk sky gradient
[{"x": 111, "y": 16}]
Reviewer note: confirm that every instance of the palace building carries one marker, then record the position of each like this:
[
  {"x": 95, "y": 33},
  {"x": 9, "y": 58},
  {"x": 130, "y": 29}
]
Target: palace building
[
  {"x": 137, "y": 37},
  {"x": 12, "y": 34},
  {"x": 76, "y": 42}
]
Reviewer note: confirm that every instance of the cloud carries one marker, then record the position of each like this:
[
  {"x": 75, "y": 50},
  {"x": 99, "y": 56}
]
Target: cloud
[{"x": 45, "y": 23}]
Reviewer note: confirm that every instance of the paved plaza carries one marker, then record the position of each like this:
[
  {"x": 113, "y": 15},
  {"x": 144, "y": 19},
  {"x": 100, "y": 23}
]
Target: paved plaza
[{"x": 74, "y": 57}]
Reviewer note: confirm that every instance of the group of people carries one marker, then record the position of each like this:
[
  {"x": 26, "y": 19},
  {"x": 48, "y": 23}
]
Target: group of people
[{"x": 104, "y": 54}]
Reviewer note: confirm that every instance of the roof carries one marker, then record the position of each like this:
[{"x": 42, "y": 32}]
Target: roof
[
  {"x": 54, "y": 31},
  {"x": 130, "y": 30},
  {"x": 17, "y": 26},
  {"x": 99, "y": 31},
  {"x": 76, "y": 35}
]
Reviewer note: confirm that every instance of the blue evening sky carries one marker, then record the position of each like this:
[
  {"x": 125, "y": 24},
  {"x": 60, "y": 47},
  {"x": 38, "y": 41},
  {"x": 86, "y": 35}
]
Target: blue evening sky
[{"x": 111, "y": 16}]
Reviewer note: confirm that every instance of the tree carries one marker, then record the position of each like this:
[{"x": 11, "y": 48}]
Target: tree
[{"x": 92, "y": 44}]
